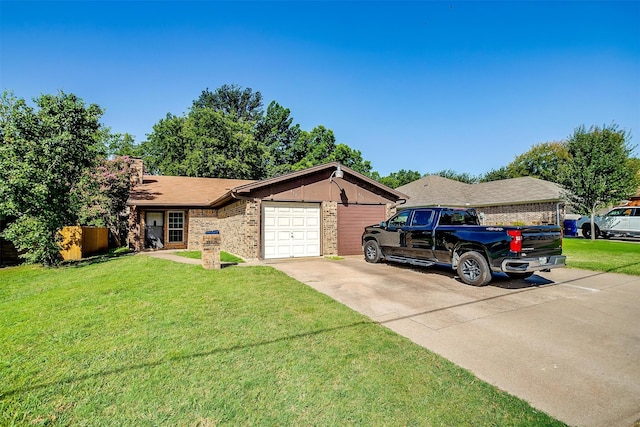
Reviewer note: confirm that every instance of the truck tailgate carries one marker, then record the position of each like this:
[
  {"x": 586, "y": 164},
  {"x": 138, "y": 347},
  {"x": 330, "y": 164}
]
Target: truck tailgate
[{"x": 542, "y": 240}]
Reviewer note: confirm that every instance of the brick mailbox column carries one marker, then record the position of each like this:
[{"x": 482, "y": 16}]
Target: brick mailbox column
[{"x": 211, "y": 250}]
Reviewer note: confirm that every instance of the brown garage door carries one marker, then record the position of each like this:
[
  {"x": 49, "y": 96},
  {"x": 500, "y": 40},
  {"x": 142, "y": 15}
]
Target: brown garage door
[{"x": 351, "y": 222}]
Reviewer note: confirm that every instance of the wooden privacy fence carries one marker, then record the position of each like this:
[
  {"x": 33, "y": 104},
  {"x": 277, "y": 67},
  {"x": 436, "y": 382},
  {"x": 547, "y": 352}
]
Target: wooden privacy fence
[{"x": 79, "y": 242}]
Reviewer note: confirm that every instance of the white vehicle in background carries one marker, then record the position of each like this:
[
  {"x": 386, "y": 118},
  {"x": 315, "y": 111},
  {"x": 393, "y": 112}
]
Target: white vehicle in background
[{"x": 622, "y": 221}]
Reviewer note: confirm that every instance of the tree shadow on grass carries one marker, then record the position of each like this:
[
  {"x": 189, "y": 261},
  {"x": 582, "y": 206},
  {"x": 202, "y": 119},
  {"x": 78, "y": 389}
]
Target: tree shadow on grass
[{"x": 97, "y": 258}]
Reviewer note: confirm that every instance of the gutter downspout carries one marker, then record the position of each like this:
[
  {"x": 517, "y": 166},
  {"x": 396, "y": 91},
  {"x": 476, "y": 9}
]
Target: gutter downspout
[{"x": 558, "y": 213}]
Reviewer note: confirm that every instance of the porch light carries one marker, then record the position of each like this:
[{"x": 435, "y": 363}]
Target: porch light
[{"x": 338, "y": 173}]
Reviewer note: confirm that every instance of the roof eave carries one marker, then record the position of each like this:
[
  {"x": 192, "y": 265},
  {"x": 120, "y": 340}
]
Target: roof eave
[{"x": 248, "y": 188}]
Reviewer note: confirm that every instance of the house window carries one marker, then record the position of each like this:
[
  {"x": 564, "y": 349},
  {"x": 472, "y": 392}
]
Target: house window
[{"x": 176, "y": 227}]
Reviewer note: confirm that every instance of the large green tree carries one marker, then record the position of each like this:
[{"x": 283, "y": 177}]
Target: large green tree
[
  {"x": 597, "y": 173},
  {"x": 43, "y": 154},
  {"x": 226, "y": 134},
  {"x": 312, "y": 148},
  {"x": 495, "y": 175},
  {"x": 457, "y": 176},
  {"x": 242, "y": 103},
  {"x": 118, "y": 144},
  {"x": 397, "y": 179},
  {"x": 351, "y": 158},
  {"x": 278, "y": 134},
  {"x": 218, "y": 146},
  {"x": 541, "y": 161},
  {"x": 165, "y": 147}
]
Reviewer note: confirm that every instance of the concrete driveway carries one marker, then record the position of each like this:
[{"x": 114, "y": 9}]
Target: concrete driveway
[{"x": 568, "y": 341}]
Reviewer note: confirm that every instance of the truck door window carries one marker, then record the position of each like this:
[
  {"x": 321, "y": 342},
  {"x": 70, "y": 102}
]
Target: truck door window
[
  {"x": 458, "y": 217},
  {"x": 422, "y": 218},
  {"x": 399, "y": 220},
  {"x": 470, "y": 217}
]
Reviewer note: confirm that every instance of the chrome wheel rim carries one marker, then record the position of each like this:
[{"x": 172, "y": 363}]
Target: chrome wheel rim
[
  {"x": 471, "y": 269},
  {"x": 371, "y": 252}
]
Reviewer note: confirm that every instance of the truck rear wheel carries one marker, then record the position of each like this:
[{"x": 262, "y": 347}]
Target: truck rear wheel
[
  {"x": 473, "y": 269},
  {"x": 372, "y": 251}
]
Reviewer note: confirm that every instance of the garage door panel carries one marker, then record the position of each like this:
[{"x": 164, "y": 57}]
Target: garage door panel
[
  {"x": 284, "y": 221},
  {"x": 291, "y": 229},
  {"x": 351, "y": 222},
  {"x": 283, "y": 252}
]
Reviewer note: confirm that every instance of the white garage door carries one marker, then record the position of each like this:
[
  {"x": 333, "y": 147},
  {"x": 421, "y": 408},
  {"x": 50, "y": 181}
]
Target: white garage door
[{"x": 291, "y": 229}]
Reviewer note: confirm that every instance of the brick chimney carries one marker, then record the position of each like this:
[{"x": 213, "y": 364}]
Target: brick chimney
[{"x": 137, "y": 171}]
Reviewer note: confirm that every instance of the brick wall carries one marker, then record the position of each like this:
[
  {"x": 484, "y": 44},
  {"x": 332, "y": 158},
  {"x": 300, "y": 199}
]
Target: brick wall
[
  {"x": 200, "y": 220},
  {"x": 134, "y": 236},
  {"x": 390, "y": 210},
  {"x": 329, "y": 218},
  {"x": 239, "y": 225},
  {"x": 525, "y": 214}
]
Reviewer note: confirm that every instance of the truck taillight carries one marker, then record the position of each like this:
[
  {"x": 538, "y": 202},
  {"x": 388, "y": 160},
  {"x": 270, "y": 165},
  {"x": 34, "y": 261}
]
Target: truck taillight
[{"x": 516, "y": 240}]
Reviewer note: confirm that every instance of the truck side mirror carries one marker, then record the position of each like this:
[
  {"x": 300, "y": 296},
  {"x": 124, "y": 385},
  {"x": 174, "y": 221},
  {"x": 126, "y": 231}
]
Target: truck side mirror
[{"x": 383, "y": 224}]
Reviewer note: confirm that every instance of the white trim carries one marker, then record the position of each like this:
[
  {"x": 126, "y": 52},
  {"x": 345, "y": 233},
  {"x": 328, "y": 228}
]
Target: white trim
[{"x": 169, "y": 228}]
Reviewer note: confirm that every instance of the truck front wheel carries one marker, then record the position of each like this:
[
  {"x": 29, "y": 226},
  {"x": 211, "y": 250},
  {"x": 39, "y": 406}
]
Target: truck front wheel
[
  {"x": 372, "y": 251},
  {"x": 473, "y": 269}
]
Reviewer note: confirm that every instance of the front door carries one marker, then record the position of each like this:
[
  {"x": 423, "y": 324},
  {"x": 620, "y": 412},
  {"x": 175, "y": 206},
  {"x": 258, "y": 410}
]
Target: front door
[{"x": 154, "y": 230}]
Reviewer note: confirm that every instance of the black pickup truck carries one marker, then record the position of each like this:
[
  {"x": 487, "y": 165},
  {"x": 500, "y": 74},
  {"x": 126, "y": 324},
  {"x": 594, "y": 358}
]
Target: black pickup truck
[{"x": 428, "y": 236}]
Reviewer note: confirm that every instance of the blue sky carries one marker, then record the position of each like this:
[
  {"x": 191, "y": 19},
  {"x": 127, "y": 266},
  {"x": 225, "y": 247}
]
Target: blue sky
[{"x": 423, "y": 86}]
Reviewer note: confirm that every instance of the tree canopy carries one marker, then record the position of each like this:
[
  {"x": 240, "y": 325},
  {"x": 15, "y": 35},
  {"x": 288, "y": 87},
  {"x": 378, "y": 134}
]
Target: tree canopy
[
  {"x": 226, "y": 134},
  {"x": 243, "y": 104},
  {"x": 541, "y": 161},
  {"x": 44, "y": 152},
  {"x": 597, "y": 173},
  {"x": 397, "y": 179}
]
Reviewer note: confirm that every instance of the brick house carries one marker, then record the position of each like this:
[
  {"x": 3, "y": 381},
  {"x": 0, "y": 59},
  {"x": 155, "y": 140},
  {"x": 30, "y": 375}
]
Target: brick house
[
  {"x": 317, "y": 211},
  {"x": 523, "y": 200}
]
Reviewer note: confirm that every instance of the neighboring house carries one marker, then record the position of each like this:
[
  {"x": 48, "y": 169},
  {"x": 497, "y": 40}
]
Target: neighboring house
[
  {"x": 317, "y": 211},
  {"x": 523, "y": 200}
]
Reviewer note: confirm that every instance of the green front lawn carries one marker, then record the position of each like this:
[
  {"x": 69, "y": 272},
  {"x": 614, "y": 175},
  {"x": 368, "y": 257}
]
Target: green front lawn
[
  {"x": 143, "y": 341},
  {"x": 612, "y": 256}
]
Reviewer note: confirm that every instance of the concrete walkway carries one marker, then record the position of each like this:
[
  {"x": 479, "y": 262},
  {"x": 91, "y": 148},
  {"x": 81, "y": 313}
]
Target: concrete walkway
[{"x": 567, "y": 342}]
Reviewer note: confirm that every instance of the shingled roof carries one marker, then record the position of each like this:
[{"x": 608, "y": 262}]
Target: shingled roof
[
  {"x": 435, "y": 190},
  {"x": 181, "y": 190}
]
